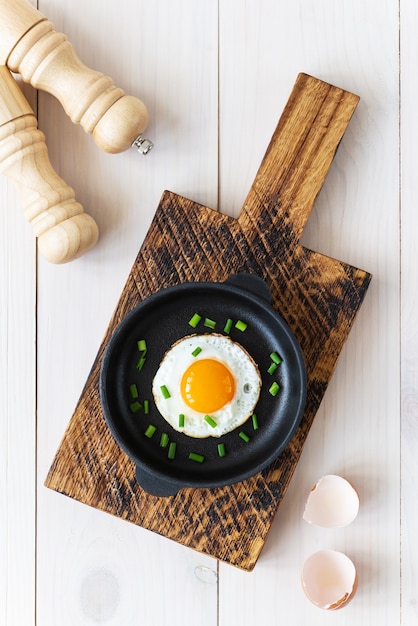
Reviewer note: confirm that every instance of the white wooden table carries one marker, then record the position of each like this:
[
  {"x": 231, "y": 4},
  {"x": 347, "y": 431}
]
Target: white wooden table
[{"x": 215, "y": 76}]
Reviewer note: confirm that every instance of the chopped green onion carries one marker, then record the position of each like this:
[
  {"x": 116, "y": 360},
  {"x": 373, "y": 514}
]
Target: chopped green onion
[
  {"x": 141, "y": 363},
  {"x": 135, "y": 407},
  {"x": 164, "y": 440},
  {"x": 134, "y": 390},
  {"x": 196, "y": 351},
  {"x": 244, "y": 436},
  {"x": 275, "y": 358},
  {"x": 221, "y": 449},
  {"x": 142, "y": 345},
  {"x": 273, "y": 367},
  {"x": 210, "y": 421},
  {"x": 150, "y": 431},
  {"x": 181, "y": 420},
  {"x": 240, "y": 325},
  {"x": 172, "y": 450},
  {"x": 199, "y": 458},
  {"x": 274, "y": 389},
  {"x": 165, "y": 392},
  {"x": 195, "y": 320},
  {"x": 210, "y": 323},
  {"x": 146, "y": 407},
  {"x": 255, "y": 421},
  {"x": 228, "y": 326}
]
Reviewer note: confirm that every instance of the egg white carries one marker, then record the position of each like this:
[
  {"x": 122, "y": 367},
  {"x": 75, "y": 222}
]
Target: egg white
[{"x": 176, "y": 361}]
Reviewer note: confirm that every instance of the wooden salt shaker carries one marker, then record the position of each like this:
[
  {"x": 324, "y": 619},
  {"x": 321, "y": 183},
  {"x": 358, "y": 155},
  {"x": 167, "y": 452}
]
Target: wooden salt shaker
[
  {"x": 29, "y": 45},
  {"x": 64, "y": 231}
]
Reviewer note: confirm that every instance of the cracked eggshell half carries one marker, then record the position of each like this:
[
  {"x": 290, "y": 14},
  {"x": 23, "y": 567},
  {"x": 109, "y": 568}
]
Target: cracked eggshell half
[
  {"x": 329, "y": 579},
  {"x": 332, "y": 503}
]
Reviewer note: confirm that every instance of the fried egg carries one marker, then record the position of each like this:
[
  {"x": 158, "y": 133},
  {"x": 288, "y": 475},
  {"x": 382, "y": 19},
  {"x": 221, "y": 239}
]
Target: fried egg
[{"x": 206, "y": 385}]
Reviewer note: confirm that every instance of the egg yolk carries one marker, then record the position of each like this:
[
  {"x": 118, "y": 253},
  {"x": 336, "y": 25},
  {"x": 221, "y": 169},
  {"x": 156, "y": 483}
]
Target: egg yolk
[{"x": 207, "y": 385}]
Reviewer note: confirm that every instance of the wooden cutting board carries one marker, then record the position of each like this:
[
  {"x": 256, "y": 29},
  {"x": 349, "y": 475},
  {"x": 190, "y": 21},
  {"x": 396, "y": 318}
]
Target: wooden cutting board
[{"x": 318, "y": 297}]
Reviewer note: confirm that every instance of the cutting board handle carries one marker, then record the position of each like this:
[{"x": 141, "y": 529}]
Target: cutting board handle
[
  {"x": 297, "y": 161},
  {"x": 64, "y": 231},
  {"x": 31, "y": 46}
]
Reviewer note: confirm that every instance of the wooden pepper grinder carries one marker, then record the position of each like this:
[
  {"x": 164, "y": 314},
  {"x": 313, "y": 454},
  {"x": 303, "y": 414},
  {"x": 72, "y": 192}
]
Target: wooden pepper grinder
[
  {"x": 64, "y": 231},
  {"x": 29, "y": 45}
]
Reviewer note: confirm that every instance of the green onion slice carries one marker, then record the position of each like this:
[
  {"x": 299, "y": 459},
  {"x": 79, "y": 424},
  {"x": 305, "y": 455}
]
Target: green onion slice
[
  {"x": 164, "y": 440},
  {"x": 197, "y": 351},
  {"x": 142, "y": 345},
  {"x": 221, "y": 449},
  {"x": 274, "y": 389},
  {"x": 135, "y": 407},
  {"x": 255, "y": 421},
  {"x": 146, "y": 407},
  {"x": 273, "y": 367},
  {"x": 134, "y": 390},
  {"x": 210, "y": 323},
  {"x": 165, "y": 392},
  {"x": 141, "y": 363},
  {"x": 210, "y": 421},
  {"x": 199, "y": 458},
  {"x": 150, "y": 431},
  {"x": 193, "y": 322},
  {"x": 228, "y": 326},
  {"x": 275, "y": 358},
  {"x": 240, "y": 325},
  {"x": 172, "y": 450},
  {"x": 181, "y": 420},
  {"x": 244, "y": 436}
]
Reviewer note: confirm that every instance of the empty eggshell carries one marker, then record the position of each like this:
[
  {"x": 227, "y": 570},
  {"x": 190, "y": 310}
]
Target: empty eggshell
[
  {"x": 332, "y": 503},
  {"x": 329, "y": 579}
]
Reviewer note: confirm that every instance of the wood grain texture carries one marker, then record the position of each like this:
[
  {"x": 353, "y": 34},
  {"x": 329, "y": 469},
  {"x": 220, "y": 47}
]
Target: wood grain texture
[{"x": 318, "y": 297}]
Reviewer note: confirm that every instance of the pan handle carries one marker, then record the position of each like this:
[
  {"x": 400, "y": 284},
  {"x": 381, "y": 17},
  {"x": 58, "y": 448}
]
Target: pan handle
[
  {"x": 251, "y": 283},
  {"x": 155, "y": 486}
]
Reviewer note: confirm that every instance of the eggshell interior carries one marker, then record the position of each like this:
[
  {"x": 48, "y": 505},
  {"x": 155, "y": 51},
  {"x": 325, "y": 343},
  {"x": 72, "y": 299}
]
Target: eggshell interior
[
  {"x": 329, "y": 579},
  {"x": 332, "y": 503}
]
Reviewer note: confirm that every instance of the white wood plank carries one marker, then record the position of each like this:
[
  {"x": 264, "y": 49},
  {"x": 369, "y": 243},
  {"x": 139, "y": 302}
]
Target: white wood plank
[
  {"x": 409, "y": 301},
  {"x": 92, "y": 567},
  {"x": 356, "y": 432},
  {"x": 17, "y": 411}
]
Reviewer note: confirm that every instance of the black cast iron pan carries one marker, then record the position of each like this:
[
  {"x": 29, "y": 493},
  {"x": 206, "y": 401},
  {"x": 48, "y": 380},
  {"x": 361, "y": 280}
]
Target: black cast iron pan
[{"x": 161, "y": 320}]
